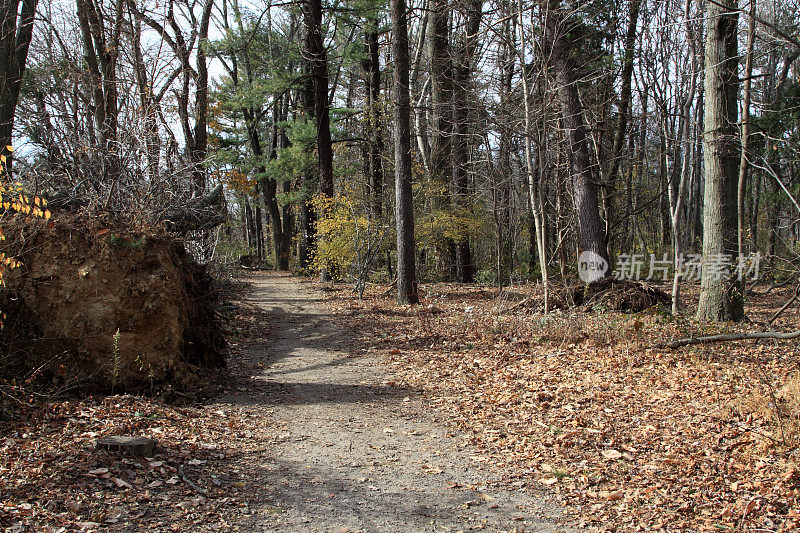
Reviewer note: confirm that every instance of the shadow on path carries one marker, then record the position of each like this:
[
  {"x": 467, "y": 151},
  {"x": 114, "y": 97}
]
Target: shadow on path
[{"x": 348, "y": 452}]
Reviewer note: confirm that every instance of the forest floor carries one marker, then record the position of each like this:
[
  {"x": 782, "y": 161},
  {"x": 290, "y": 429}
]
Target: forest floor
[
  {"x": 310, "y": 432},
  {"x": 631, "y": 436},
  {"x": 467, "y": 412}
]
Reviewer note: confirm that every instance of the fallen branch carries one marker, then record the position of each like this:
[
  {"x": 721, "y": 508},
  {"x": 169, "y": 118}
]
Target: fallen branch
[
  {"x": 200, "y": 214},
  {"x": 780, "y": 311},
  {"x": 518, "y": 305},
  {"x": 190, "y": 483},
  {"x": 777, "y": 285},
  {"x": 392, "y": 287},
  {"x": 711, "y": 339}
]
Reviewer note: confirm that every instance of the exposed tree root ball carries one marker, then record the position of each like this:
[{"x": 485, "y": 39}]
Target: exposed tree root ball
[{"x": 102, "y": 307}]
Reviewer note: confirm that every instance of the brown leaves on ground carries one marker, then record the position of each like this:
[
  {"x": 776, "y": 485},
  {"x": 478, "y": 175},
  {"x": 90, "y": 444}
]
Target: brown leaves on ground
[
  {"x": 53, "y": 478},
  {"x": 632, "y": 438}
]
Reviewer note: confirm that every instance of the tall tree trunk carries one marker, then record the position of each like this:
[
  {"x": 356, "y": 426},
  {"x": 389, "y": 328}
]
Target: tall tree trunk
[
  {"x": 744, "y": 162},
  {"x": 677, "y": 190},
  {"x": 288, "y": 220},
  {"x": 665, "y": 233},
  {"x": 148, "y": 103},
  {"x": 268, "y": 186},
  {"x": 259, "y": 233},
  {"x": 441, "y": 76},
  {"x": 441, "y": 94},
  {"x": 641, "y": 166},
  {"x": 16, "y": 30},
  {"x": 720, "y": 298},
  {"x": 623, "y": 111},
  {"x": 101, "y": 51},
  {"x": 319, "y": 74},
  {"x": 307, "y": 217},
  {"x": 372, "y": 69},
  {"x": 506, "y": 66},
  {"x": 461, "y": 129},
  {"x": 406, "y": 267},
  {"x": 591, "y": 229},
  {"x": 697, "y": 163},
  {"x": 249, "y": 224},
  {"x": 534, "y": 185},
  {"x": 199, "y": 150}
]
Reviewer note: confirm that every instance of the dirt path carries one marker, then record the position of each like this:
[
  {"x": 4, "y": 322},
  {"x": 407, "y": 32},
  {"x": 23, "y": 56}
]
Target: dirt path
[{"x": 345, "y": 451}]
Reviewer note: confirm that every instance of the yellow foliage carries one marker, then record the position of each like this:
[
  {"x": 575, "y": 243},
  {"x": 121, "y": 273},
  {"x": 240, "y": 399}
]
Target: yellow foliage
[
  {"x": 14, "y": 200},
  {"x": 438, "y": 226},
  {"x": 342, "y": 231}
]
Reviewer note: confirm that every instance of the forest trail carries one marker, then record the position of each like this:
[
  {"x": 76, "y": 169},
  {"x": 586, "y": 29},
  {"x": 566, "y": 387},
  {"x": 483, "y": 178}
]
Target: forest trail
[{"x": 348, "y": 452}]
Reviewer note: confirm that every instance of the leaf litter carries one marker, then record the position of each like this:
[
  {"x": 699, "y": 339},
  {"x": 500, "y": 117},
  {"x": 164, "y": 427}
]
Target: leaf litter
[
  {"x": 54, "y": 479},
  {"x": 631, "y": 438}
]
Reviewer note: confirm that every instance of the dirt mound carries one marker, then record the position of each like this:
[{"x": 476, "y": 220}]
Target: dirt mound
[
  {"x": 101, "y": 307},
  {"x": 611, "y": 294}
]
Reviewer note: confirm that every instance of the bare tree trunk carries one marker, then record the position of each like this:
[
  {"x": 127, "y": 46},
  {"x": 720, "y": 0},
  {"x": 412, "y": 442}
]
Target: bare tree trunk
[
  {"x": 663, "y": 181},
  {"x": 200, "y": 145},
  {"x": 591, "y": 229},
  {"x": 420, "y": 112},
  {"x": 196, "y": 138},
  {"x": 720, "y": 298},
  {"x": 16, "y": 30},
  {"x": 259, "y": 233},
  {"x": 406, "y": 267},
  {"x": 249, "y": 224},
  {"x": 506, "y": 66},
  {"x": 534, "y": 185},
  {"x": 441, "y": 72},
  {"x": 101, "y": 50},
  {"x": 148, "y": 103},
  {"x": 622, "y": 114},
  {"x": 307, "y": 217},
  {"x": 372, "y": 70},
  {"x": 441, "y": 92},
  {"x": 678, "y": 190},
  {"x": 743, "y": 162},
  {"x": 319, "y": 74},
  {"x": 267, "y": 185},
  {"x": 461, "y": 129}
]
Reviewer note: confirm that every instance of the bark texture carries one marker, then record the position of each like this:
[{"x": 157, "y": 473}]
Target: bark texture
[
  {"x": 591, "y": 229},
  {"x": 16, "y": 29},
  {"x": 720, "y": 298},
  {"x": 406, "y": 267}
]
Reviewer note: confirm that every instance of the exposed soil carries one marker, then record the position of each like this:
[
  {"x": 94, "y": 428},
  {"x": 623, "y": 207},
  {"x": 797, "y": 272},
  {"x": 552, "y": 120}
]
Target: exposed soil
[
  {"x": 100, "y": 306},
  {"x": 351, "y": 450}
]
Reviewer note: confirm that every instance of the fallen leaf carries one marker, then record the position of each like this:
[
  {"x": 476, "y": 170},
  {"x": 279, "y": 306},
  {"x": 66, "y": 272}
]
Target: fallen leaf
[{"x": 611, "y": 454}]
